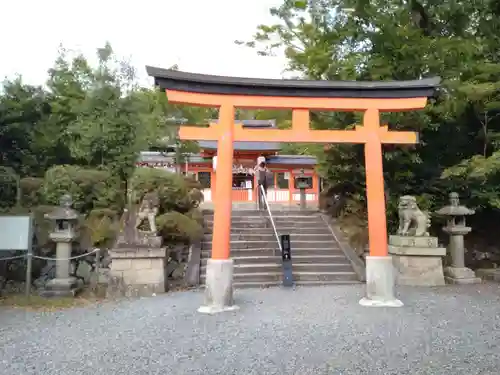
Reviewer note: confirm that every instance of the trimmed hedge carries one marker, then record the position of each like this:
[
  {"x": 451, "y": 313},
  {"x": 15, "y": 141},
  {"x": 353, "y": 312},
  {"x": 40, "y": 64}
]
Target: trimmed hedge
[
  {"x": 176, "y": 193},
  {"x": 175, "y": 227},
  {"x": 31, "y": 191},
  {"x": 8, "y": 188},
  {"x": 178, "y": 220},
  {"x": 89, "y": 188},
  {"x": 100, "y": 199}
]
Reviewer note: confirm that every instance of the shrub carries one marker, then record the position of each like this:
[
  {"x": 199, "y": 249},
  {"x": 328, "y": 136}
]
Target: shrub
[
  {"x": 8, "y": 188},
  {"x": 31, "y": 191},
  {"x": 99, "y": 229},
  {"x": 196, "y": 215},
  {"x": 89, "y": 188},
  {"x": 173, "y": 190},
  {"x": 175, "y": 227}
]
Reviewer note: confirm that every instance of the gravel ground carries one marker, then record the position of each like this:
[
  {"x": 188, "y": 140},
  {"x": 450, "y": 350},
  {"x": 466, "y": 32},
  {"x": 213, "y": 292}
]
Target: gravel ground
[{"x": 313, "y": 330}]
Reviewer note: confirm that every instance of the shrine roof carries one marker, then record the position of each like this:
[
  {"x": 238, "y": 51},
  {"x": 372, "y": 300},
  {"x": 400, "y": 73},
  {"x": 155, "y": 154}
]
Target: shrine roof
[
  {"x": 159, "y": 157},
  {"x": 166, "y": 157},
  {"x": 243, "y": 146},
  {"x": 247, "y": 146},
  {"x": 292, "y": 159},
  {"x": 211, "y": 84}
]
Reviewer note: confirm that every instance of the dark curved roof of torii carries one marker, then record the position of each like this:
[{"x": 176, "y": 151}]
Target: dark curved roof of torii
[{"x": 211, "y": 84}]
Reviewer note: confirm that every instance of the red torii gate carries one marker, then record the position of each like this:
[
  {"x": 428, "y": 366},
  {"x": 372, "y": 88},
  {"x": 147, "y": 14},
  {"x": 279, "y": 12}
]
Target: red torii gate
[{"x": 228, "y": 93}]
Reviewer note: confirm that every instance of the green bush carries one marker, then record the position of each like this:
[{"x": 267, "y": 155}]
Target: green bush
[
  {"x": 31, "y": 191},
  {"x": 99, "y": 228},
  {"x": 192, "y": 183},
  {"x": 196, "y": 215},
  {"x": 174, "y": 192},
  {"x": 8, "y": 188},
  {"x": 175, "y": 227},
  {"x": 89, "y": 188}
]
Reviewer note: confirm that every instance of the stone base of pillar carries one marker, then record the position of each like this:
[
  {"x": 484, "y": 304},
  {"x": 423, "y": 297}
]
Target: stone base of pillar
[
  {"x": 62, "y": 287},
  {"x": 218, "y": 287},
  {"x": 454, "y": 275},
  {"x": 380, "y": 283}
]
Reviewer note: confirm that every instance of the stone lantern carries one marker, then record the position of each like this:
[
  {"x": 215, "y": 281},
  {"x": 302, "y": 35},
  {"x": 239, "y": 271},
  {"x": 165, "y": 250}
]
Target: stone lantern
[
  {"x": 63, "y": 234},
  {"x": 302, "y": 184},
  {"x": 456, "y": 228}
]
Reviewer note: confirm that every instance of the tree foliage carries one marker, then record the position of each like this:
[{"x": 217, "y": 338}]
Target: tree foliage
[
  {"x": 96, "y": 116},
  {"x": 397, "y": 40}
]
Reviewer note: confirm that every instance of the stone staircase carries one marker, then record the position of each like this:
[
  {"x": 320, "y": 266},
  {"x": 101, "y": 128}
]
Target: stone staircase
[{"x": 316, "y": 255}]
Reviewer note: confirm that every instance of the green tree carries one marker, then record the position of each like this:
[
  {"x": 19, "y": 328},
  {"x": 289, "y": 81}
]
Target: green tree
[
  {"x": 22, "y": 108},
  {"x": 384, "y": 40},
  {"x": 101, "y": 113}
]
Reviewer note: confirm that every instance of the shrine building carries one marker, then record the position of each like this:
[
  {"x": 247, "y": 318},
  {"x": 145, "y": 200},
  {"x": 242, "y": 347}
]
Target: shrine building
[{"x": 286, "y": 169}]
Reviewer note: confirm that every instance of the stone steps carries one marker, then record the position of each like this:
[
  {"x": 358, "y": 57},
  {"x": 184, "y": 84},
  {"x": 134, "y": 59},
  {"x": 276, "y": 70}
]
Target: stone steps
[
  {"x": 262, "y": 224},
  {"x": 270, "y": 236},
  {"x": 298, "y": 268},
  {"x": 269, "y": 230},
  {"x": 317, "y": 257},
  {"x": 329, "y": 244},
  {"x": 276, "y": 259},
  {"x": 271, "y": 251},
  {"x": 265, "y": 224},
  {"x": 253, "y": 213},
  {"x": 304, "y": 283},
  {"x": 298, "y": 277}
]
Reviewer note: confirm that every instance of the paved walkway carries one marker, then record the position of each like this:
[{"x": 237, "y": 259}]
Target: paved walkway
[{"x": 320, "y": 330}]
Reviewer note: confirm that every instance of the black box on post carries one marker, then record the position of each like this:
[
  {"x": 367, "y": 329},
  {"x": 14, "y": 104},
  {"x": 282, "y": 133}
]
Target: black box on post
[{"x": 286, "y": 256}]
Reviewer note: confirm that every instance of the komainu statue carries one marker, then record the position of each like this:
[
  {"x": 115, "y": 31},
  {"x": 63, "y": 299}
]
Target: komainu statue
[
  {"x": 148, "y": 211},
  {"x": 412, "y": 221}
]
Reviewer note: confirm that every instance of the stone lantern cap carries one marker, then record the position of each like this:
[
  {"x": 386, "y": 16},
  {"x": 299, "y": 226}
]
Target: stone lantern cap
[
  {"x": 454, "y": 208},
  {"x": 64, "y": 211}
]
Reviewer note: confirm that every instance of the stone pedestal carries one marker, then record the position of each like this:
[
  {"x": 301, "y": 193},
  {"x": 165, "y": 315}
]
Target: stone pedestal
[
  {"x": 457, "y": 273},
  {"x": 218, "y": 287},
  {"x": 489, "y": 274},
  {"x": 137, "y": 268},
  {"x": 464, "y": 275},
  {"x": 63, "y": 285},
  {"x": 380, "y": 283},
  {"x": 417, "y": 260},
  {"x": 68, "y": 287}
]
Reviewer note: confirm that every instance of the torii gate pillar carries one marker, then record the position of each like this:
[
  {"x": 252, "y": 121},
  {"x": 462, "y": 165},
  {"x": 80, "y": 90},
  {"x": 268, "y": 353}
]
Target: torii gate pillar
[{"x": 228, "y": 93}]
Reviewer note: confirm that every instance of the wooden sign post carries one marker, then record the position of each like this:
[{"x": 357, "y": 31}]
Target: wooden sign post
[{"x": 370, "y": 98}]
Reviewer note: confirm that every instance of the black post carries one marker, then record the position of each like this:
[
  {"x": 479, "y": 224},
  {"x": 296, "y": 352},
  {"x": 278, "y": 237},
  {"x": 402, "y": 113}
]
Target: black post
[{"x": 286, "y": 257}]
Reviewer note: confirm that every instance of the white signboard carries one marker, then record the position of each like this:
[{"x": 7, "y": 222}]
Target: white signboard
[{"x": 15, "y": 233}]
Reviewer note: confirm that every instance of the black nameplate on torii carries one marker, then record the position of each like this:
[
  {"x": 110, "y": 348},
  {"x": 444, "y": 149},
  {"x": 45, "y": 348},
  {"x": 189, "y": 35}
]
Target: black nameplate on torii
[{"x": 286, "y": 256}]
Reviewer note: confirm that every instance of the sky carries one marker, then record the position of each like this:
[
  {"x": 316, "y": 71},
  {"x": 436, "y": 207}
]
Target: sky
[{"x": 197, "y": 35}]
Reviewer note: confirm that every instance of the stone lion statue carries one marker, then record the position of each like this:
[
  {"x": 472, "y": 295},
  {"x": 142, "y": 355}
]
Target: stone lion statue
[
  {"x": 148, "y": 211},
  {"x": 412, "y": 221}
]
